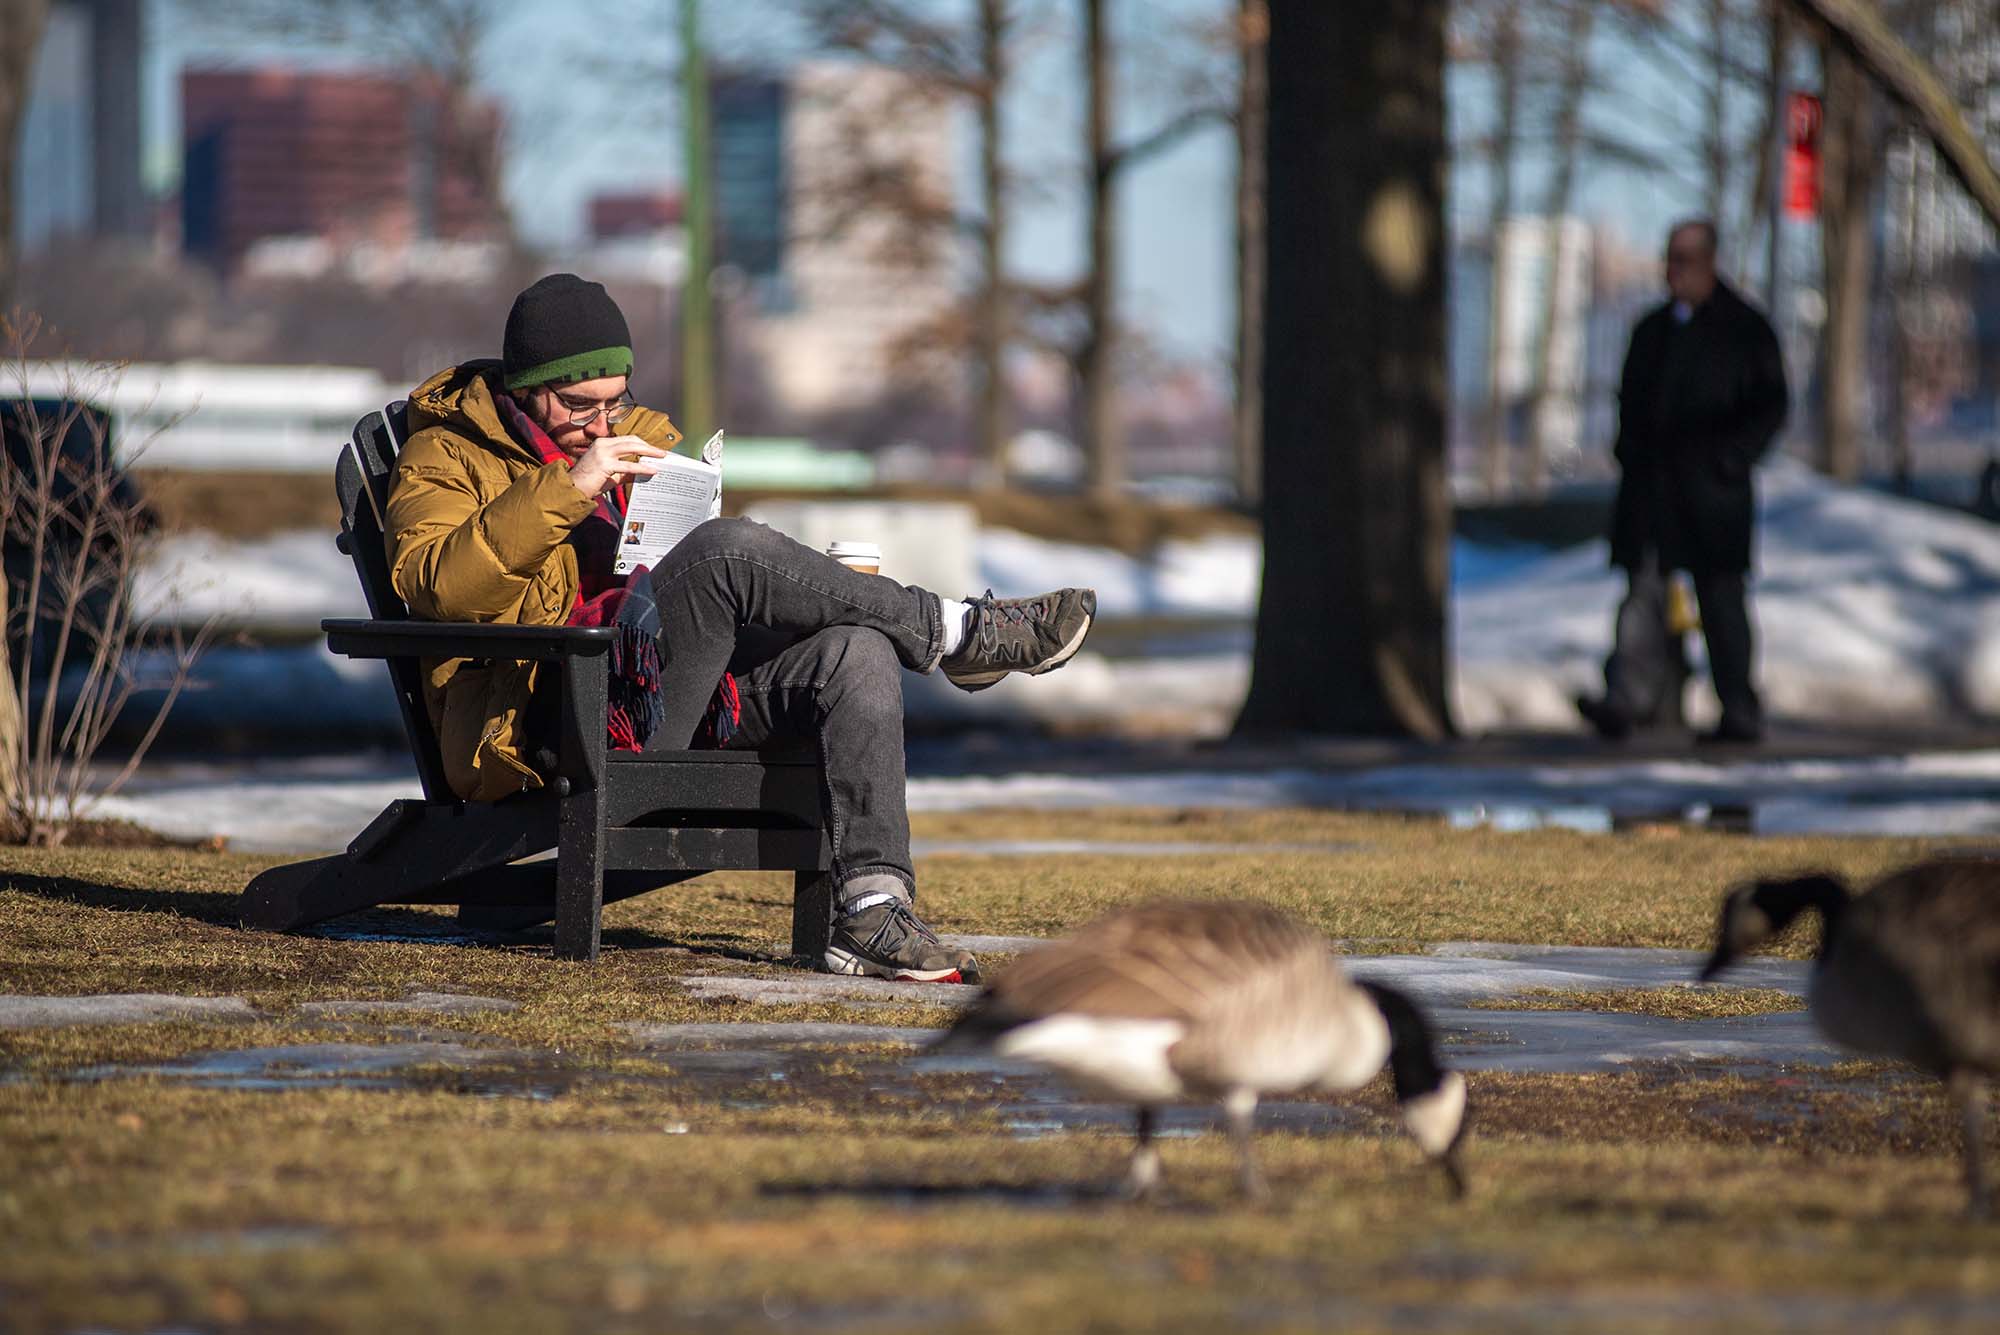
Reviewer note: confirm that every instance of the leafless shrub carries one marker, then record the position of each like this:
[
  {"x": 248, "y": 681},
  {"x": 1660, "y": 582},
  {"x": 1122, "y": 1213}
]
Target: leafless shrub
[{"x": 75, "y": 535}]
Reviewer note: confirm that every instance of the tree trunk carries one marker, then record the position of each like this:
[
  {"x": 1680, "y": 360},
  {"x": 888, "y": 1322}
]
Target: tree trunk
[
  {"x": 1351, "y": 622},
  {"x": 21, "y": 24},
  {"x": 1507, "y": 74},
  {"x": 1715, "y": 142},
  {"x": 1769, "y": 200},
  {"x": 1254, "y": 33},
  {"x": 1097, "y": 425},
  {"x": 990, "y": 349},
  {"x": 1569, "y": 121},
  {"x": 1848, "y": 166}
]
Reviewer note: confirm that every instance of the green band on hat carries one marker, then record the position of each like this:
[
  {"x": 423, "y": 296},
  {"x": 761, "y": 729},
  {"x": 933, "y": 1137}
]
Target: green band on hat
[{"x": 576, "y": 366}]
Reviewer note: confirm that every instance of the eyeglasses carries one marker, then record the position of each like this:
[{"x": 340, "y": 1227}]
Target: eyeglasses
[{"x": 614, "y": 412}]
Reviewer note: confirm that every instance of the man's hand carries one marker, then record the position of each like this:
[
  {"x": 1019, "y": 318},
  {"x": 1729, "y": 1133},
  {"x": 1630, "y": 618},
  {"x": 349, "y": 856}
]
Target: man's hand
[{"x": 611, "y": 460}]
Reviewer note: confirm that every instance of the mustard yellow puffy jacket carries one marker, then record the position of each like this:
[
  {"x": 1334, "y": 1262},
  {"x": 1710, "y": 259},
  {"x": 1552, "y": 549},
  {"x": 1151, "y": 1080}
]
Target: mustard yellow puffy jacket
[{"x": 476, "y": 530}]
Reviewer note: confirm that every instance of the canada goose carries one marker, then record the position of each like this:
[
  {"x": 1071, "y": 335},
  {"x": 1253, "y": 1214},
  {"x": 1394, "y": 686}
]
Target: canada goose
[
  {"x": 1212, "y": 1001},
  {"x": 1910, "y": 969}
]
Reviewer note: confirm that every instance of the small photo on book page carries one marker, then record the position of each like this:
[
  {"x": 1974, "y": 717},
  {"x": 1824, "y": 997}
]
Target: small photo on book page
[{"x": 665, "y": 508}]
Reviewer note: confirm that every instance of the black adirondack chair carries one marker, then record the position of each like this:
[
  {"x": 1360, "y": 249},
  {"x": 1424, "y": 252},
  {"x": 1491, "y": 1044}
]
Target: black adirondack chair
[{"x": 621, "y": 823}]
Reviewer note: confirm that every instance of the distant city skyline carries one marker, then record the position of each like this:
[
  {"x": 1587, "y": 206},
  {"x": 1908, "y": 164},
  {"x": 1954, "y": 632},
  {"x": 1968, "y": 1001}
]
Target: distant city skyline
[{"x": 1176, "y": 272}]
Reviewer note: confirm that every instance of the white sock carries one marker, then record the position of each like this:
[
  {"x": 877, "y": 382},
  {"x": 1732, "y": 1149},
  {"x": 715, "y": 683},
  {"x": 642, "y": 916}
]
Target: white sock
[{"x": 952, "y": 615}]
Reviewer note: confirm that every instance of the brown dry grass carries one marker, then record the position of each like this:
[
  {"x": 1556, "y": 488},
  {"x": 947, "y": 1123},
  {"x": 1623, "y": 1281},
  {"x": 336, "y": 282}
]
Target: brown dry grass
[{"x": 853, "y": 1195}]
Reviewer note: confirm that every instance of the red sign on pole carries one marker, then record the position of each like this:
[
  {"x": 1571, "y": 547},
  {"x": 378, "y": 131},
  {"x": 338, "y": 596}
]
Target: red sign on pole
[{"x": 1803, "y": 117}]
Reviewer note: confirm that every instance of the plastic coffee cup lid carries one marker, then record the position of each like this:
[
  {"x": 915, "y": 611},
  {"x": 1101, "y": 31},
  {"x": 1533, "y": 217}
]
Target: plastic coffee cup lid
[{"x": 851, "y": 550}]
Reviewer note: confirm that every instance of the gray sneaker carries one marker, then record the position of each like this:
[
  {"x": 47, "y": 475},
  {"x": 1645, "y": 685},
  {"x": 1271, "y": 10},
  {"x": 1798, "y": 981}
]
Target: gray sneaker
[
  {"x": 1031, "y": 635},
  {"x": 891, "y": 941}
]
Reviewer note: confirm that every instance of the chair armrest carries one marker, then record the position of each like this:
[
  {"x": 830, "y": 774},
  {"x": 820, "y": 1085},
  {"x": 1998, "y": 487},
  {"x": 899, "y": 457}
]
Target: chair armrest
[{"x": 463, "y": 639}]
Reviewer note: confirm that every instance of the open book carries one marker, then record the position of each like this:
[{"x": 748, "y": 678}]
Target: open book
[{"x": 666, "y": 507}]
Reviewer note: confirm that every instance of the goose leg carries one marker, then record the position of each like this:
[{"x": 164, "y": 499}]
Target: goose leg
[
  {"x": 1969, "y": 1092},
  {"x": 1143, "y": 1178},
  {"x": 1239, "y": 1108}
]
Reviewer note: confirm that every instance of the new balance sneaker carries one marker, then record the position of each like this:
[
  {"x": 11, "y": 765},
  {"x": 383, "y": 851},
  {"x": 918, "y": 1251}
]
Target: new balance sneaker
[
  {"x": 1031, "y": 635},
  {"x": 889, "y": 940}
]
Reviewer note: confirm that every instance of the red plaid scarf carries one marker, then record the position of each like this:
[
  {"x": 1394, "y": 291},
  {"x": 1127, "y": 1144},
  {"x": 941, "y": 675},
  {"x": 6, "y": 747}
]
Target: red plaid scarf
[{"x": 625, "y": 602}]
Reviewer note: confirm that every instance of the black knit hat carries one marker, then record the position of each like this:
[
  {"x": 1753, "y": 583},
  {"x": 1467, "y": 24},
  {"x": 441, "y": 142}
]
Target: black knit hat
[{"x": 564, "y": 328}]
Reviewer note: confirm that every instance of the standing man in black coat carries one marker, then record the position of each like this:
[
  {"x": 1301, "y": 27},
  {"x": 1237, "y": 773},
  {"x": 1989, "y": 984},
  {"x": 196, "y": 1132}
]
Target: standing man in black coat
[{"x": 1701, "y": 398}]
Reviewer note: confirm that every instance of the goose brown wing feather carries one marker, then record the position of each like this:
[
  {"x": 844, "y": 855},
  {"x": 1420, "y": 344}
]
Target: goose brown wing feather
[
  {"x": 1175, "y": 961},
  {"x": 1938, "y": 924}
]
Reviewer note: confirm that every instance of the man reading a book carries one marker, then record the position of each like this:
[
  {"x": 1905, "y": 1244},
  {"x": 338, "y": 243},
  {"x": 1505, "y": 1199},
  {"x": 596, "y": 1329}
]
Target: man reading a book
[{"x": 507, "y": 506}]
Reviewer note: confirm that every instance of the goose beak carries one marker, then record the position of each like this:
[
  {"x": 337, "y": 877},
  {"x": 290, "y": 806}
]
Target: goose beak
[{"x": 1717, "y": 962}]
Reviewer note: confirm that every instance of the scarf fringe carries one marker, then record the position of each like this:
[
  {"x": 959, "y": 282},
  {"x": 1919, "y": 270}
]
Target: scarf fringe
[
  {"x": 725, "y": 712},
  {"x": 634, "y": 688}
]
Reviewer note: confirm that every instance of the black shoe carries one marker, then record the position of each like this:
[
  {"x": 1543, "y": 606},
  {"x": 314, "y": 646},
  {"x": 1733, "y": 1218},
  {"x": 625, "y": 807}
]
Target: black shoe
[
  {"x": 1031, "y": 635},
  {"x": 1731, "y": 732},
  {"x": 1612, "y": 723},
  {"x": 889, "y": 940}
]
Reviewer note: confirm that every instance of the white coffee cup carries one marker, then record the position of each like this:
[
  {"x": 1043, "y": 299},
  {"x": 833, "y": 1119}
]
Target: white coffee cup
[{"x": 865, "y": 557}]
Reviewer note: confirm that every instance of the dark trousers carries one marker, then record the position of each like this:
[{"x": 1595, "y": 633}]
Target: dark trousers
[
  {"x": 818, "y": 651},
  {"x": 1648, "y": 666}
]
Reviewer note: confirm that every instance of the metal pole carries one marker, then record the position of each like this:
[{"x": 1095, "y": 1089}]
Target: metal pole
[{"x": 697, "y": 408}]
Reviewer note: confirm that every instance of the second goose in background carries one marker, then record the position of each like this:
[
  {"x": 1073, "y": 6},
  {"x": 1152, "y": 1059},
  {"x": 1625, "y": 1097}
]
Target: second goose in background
[{"x": 1908, "y": 970}]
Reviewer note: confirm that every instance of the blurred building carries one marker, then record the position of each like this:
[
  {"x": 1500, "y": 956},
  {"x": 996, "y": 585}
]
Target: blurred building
[
  {"x": 362, "y": 160},
  {"x": 828, "y": 187},
  {"x": 618, "y": 214},
  {"x": 200, "y": 415},
  {"x": 752, "y": 218},
  {"x": 1536, "y": 256},
  {"x": 78, "y": 169}
]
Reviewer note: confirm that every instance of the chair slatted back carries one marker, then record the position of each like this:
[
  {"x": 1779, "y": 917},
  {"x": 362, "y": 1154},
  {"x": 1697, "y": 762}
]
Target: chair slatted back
[{"x": 362, "y": 480}]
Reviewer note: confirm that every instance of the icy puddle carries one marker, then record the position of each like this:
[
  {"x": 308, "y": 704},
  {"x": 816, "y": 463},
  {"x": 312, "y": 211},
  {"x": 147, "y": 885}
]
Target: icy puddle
[
  {"x": 341, "y": 1065},
  {"x": 744, "y": 1063}
]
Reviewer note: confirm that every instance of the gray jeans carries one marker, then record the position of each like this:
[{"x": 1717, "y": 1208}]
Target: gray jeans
[{"x": 818, "y": 651}]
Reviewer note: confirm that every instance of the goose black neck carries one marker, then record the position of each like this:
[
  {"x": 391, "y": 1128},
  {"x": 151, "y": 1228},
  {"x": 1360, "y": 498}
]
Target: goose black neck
[
  {"x": 1413, "y": 1063},
  {"x": 1787, "y": 899}
]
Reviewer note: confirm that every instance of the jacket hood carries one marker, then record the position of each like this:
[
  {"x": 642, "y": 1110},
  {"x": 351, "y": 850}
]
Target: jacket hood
[{"x": 462, "y": 398}]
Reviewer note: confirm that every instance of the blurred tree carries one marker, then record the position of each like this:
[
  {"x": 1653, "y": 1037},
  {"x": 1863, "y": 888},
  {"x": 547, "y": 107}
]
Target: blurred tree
[
  {"x": 1701, "y": 47},
  {"x": 1858, "y": 28},
  {"x": 1097, "y": 408},
  {"x": 1576, "y": 19},
  {"x": 443, "y": 39},
  {"x": 21, "y": 25},
  {"x": 969, "y": 62},
  {"x": 1357, "y": 522},
  {"x": 1861, "y": 52},
  {"x": 1095, "y": 354},
  {"x": 1851, "y": 145},
  {"x": 1502, "y": 33},
  {"x": 1253, "y": 38}
]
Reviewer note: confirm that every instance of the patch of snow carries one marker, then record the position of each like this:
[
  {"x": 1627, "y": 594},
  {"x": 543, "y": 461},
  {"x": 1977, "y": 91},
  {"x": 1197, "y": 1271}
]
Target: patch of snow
[
  {"x": 285, "y": 581},
  {"x": 29, "y": 1012},
  {"x": 1869, "y": 609}
]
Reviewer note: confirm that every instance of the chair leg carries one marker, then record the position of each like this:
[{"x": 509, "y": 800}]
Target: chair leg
[
  {"x": 812, "y": 917},
  {"x": 579, "y": 876}
]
